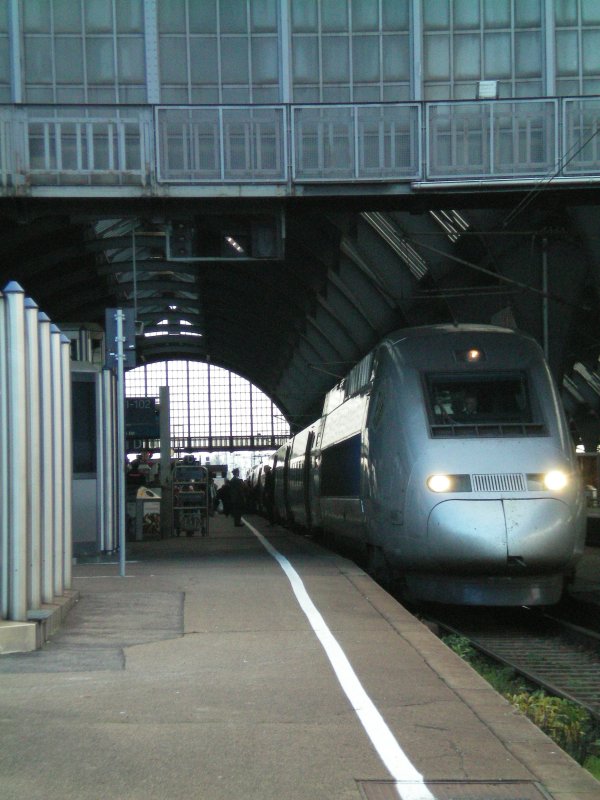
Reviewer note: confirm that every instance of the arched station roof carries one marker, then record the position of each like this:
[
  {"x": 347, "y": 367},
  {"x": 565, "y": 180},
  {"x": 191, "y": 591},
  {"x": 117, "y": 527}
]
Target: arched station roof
[{"x": 290, "y": 293}]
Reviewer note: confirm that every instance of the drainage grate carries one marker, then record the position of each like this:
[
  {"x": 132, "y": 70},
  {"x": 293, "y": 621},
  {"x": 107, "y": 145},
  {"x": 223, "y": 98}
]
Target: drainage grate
[
  {"x": 500, "y": 482},
  {"x": 453, "y": 790}
]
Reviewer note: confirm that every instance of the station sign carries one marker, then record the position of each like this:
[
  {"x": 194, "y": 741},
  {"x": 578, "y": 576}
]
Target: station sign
[{"x": 142, "y": 418}]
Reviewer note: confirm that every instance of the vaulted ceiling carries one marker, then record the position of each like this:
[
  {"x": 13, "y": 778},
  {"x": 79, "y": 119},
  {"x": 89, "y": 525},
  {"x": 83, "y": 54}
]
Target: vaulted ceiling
[{"x": 291, "y": 293}]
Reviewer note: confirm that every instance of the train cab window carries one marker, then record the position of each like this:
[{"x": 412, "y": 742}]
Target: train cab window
[{"x": 483, "y": 404}]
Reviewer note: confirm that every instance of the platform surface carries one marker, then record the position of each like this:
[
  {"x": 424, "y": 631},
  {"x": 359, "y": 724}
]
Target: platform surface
[{"x": 255, "y": 665}]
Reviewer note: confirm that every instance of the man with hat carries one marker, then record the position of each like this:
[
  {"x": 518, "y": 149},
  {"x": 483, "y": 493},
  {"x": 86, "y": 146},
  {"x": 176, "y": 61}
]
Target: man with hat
[{"x": 237, "y": 497}]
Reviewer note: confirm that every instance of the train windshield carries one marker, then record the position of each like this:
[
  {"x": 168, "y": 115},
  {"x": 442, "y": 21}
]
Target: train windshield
[{"x": 493, "y": 399}]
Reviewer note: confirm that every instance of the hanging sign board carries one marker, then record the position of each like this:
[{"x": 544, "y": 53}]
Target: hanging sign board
[{"x": 142, "y": 419}]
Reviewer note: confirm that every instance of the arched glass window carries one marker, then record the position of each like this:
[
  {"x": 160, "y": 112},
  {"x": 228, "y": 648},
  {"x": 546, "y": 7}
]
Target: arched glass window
[{"x": 211, "y": 407}]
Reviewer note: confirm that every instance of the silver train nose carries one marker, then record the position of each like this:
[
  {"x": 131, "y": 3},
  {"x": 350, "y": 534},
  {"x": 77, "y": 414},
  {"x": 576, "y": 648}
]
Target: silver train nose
[{"x": 475, "y": 535}]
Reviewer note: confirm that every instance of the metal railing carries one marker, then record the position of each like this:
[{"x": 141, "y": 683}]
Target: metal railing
[
  {"x": 153, "y": 148},
  {"x": 369, "y": 142},
  {"x": 65, "y": 146},
  {"x": 212, "y": 444},
  {"x": 221, "y": 144},
  {"x": 500, "y": 139}
]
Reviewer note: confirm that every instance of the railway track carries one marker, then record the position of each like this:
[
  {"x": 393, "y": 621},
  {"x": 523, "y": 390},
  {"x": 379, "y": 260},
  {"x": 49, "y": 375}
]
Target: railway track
[{"x": 558, "y": 656}]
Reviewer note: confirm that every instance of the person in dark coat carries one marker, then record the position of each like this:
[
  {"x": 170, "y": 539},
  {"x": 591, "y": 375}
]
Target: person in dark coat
[
  {"x": 237, "y": 497},
  {"x": 223, "y": 495},
  {"x": 268, "y": 494}
]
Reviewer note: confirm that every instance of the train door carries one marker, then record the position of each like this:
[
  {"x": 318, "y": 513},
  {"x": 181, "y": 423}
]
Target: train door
[
  {"x": 306, "y": 479},
  {"x": 289, "y": 517}
]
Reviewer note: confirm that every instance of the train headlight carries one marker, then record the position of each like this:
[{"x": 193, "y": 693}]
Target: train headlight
[
  {"x": 555, "y": 480},
  {"x": 439, "y": 483}
]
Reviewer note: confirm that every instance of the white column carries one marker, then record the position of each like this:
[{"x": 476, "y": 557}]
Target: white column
[
  {"x": 46, "y": 459},
  {"x": 17, "y": 437},
  {"x": 33, "y": 455},
  {"x": 3, "y": 465},
  {"x": 57, "y": 457},
  {"x": 67, "y": 452}
]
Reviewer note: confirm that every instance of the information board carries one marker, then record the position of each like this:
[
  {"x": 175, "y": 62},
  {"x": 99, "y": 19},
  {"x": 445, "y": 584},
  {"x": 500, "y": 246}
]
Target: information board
[{"x": 142, "y": 418}]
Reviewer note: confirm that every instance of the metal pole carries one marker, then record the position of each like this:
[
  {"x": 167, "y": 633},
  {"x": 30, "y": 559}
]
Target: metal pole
[
  {"x": 119, "y": 316},
  {"x": 134, "y": 264},
  {"x": 108, "y": 433},
  {"x": 67, "y": 452},
  {"x": 46, "y": 460},
  {"x": 17, "y": 437},
  {"x": 101, "y": 485},
  {"x": 3, "y": 465},
  {"x": 545, "y": 325},
  {"x": 57, "y": 458},
  {"x": 34, "y": 472},
  {"x": 166, "y": 510}
]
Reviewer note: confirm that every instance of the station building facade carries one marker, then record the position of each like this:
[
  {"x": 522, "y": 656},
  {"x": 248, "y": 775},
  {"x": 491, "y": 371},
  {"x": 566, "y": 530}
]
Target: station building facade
[{"x": 279, "y": 51}]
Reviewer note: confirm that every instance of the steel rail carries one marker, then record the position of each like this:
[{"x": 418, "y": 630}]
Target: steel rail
[{"x": 558, "y": 656}]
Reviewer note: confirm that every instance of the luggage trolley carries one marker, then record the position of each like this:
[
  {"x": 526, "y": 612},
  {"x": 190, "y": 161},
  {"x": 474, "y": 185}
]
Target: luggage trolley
[{"x": 190, "y": 485}]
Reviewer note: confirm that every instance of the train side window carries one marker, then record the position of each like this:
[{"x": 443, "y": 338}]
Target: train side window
[
  {"x": 340, "y": 469},
  {"x": 378, "y": 403}
]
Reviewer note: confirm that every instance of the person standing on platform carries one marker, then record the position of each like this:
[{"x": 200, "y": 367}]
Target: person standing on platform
[
  {"x": 223, "y": 496},
  {"x": 236, "y": 497},
  {"x": 268, "y": 495}
]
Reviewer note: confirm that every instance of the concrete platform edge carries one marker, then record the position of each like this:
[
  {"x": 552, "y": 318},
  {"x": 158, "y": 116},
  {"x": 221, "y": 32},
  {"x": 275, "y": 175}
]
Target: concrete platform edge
[
  {"x": 43, "y": 623},
  {"x": 552, "y": 767}
]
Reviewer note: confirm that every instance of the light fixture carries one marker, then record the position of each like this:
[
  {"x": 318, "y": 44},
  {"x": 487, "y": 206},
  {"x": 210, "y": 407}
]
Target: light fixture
[
  {"x": 439, "y": 483},
  {"x": 234, "y": 243},
  {"x": 555, "y": 480},
  {"x": 471, "y": 356}
]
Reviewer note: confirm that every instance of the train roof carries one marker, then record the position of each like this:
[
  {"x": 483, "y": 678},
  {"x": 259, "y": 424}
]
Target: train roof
[
  {"x": 427, "y": 330},
  {"x": 360, "y": 376}
]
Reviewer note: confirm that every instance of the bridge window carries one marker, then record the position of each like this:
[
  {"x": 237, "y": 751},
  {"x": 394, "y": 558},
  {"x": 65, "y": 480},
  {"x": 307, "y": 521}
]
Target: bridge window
[
  {"x": 225, "y": 51},
  {"x": 468, "y": 41},
  {"x": 4, "y": 55},
  {"x": 95, "y": 53},
  {"x": 211, "y": 408},
  {"x": 360, "y": 54},
  {"x": 577, "y": 48}
]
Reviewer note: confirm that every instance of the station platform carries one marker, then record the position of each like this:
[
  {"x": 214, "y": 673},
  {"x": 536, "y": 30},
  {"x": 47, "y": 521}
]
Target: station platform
[{"x": 252, "y": 664}]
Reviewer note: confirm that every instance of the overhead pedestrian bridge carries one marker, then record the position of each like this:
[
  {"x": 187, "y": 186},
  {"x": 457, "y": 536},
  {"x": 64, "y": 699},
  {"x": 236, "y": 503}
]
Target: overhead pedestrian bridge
[{"x": 285, "y": 149}]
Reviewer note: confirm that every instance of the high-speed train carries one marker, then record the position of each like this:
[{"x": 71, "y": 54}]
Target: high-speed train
[{"x": 445, "y": 457}]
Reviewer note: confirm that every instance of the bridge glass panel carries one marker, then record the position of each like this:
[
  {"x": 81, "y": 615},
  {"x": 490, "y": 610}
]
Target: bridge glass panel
[
  {"x": 61, "y": 37},
  {"x": 362, "y": 56},
  {"x": 5, "y": 95},
  {"x": 226, "y": 51},
  {"x": 466, "y": 41},
  {"x": 577, "y": 32}
]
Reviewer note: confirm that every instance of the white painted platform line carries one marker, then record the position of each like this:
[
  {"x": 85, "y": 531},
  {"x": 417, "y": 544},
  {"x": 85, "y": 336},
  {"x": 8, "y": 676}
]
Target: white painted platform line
[{"x": 409, "y": 782}]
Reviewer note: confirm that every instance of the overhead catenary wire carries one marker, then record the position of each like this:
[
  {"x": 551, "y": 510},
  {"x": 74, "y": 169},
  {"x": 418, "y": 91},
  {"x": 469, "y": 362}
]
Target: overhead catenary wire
[
  {"x": 544, "y": 182},
  {"x": 503, "y": 278}
]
